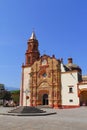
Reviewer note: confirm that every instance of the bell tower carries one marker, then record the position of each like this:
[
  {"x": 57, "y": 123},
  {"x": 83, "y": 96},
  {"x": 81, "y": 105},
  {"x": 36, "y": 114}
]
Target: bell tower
[{"x": 32, "y": 53}]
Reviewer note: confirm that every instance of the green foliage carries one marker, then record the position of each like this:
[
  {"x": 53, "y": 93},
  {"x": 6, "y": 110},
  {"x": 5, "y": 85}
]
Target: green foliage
[
  {"x": 2, "y": 95},
  {"x": 7, "y": 95},
  {"x": 15, "y": 91},
  {"x": 1, "y": 85},
  {"x": 15, "y": 96},
  {"x": 2, "y": 91}
]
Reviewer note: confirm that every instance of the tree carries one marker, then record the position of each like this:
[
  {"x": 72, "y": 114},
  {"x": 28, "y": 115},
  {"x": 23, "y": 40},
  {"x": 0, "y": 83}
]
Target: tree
[
  {"x": 2, "y": 91},
  {"x": 7, "y": 95},
  {"x": 15, "y": 96}
]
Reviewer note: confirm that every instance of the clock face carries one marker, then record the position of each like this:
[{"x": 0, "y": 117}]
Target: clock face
[{"x": 44, "y": 62}]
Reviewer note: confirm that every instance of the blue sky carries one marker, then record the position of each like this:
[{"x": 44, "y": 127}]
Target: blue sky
[{"x": 60, "y": 27}]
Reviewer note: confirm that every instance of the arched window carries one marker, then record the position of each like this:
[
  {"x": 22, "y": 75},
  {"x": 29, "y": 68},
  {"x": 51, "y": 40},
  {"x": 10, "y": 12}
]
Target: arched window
[{"x": 70, "y": 89}]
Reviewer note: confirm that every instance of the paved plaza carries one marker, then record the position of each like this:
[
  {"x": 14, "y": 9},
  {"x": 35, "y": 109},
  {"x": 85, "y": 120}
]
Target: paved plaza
[{"x": 65, "y": 119}]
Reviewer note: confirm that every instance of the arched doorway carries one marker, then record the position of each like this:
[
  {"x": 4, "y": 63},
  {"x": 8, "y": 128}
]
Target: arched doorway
[
  {"x": 83, "y": 98},
  {"x": 45, "y": 99}
]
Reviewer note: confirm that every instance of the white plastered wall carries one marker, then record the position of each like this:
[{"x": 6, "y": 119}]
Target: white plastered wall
[
  {"x": 26, "y": 89},
  {"x": 69, "y": 79}
]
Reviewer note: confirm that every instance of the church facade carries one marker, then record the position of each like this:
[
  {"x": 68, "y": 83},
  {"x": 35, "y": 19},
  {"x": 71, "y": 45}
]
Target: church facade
[{"x": 47, "y": 81}]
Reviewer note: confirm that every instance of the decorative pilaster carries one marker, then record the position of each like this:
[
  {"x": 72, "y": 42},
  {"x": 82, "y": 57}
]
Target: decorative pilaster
[
  {"x": 52, "y": 89},
  {"x": 59, "y": 84}
]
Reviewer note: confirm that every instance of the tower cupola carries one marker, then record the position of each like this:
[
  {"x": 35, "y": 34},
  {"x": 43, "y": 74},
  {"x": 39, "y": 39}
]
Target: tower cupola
[
  {"x": 32, "y": 52},
  {"x": 33, "y": 36}
]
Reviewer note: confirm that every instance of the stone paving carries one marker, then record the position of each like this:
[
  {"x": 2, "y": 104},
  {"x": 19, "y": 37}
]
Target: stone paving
[{"x": 65, "y": 119}]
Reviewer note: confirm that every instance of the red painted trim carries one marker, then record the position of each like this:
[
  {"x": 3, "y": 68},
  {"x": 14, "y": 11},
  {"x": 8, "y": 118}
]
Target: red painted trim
[
  {"x": 67, "y": 107},
  {"x": 51, "y": 106},
  {"x": 34, "y": 105},
  {"x": 82, "y": 83},
  {"x": 78, "y": 91},
  {"x": 57, "y": 107},
  {"x": 31, "y": 105}
]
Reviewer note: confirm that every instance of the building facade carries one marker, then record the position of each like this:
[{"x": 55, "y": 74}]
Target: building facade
[{"x": 47, "y": 81}]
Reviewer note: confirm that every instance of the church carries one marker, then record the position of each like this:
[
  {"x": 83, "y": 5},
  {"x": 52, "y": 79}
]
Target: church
[{"x": 48, "y": 81}]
